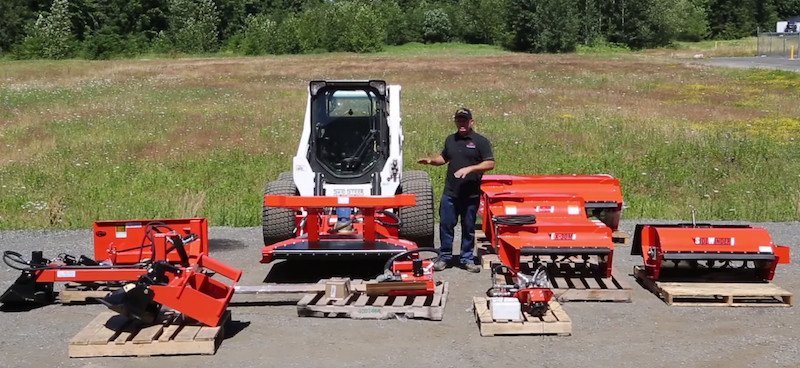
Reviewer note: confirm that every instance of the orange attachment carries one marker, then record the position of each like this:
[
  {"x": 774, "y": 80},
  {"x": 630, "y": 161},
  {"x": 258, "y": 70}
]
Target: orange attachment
[
  {"x": 706, "y": 247},
  {"x": 375, "y": 230},
  {"x": 197, "y": 295},
  {"x": 602, "y": 194},
  {"x": 124, "y": 242},
  {"x": 545, "y": 217},
  {"x": 422, "y": 274}
]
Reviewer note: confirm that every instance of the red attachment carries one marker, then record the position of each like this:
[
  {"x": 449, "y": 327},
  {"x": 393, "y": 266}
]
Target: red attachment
[
  {"x": 126, "y": 242},
  {"x": 59, "y": 272},
  {"x": 561, "y": 227},
  {"x": 602, "y": 193},
  {"x": 709, "y": 244},
  {"x": 197, "y": 295},
  {"x": 189, "y": 290},
  {"x": 556, "y": 238},
  {"x": 424, "y": 274},
  {"x": 374, "y": 233},
  {"x": 530, "y": 296}
]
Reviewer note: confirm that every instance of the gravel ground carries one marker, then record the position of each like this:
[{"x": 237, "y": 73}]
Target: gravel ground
[
  {"x": 754, "y": 62},
  {"x": 644, "y": 333}
]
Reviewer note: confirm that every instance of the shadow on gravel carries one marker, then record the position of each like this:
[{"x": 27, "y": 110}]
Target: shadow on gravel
[
  {"x": 225, "y": 245},
  {"x": 234, "y": 327},
  {"x": 305, "y": 271},
  {"x": 21, "y": 307}
]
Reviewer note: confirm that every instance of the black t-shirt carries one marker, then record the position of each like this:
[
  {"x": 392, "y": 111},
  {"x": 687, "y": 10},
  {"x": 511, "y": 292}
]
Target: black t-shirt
[{"x": 461, "y": 152}]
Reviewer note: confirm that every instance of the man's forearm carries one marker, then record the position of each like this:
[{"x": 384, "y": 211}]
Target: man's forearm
[{"x": 483, "y": 167}]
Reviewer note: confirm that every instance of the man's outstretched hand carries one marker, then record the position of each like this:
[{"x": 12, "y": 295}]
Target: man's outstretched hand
[{"x": 461, "y": 173}]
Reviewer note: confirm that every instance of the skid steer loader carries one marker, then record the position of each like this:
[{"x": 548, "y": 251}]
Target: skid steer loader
[{"x": 351, "y": 148}]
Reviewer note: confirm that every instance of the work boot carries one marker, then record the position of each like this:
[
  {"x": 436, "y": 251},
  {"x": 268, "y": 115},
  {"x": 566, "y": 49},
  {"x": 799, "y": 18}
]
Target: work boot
[
  {"x": 471, "y": 267},
  {"x": 439, "y": 265}
]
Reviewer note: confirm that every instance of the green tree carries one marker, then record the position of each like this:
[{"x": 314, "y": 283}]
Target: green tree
[
  {"x": 13, "y": 16},
  {"x": 436, "y": 27},
  {"x": 730, "y": 19},
  {"x": 194, "y": 25},
  {"x": 544, "y": 25},
  {"x": 482, "y": 21},
  {"x": 51, "y": 35}
]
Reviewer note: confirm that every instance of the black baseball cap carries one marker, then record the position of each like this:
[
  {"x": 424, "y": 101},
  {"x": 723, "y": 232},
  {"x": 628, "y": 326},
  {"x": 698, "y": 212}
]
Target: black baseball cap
[{"x": 463, "y": 113}]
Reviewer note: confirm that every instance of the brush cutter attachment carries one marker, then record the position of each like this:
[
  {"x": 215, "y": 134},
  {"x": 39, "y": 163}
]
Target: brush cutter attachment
[{"x": 736, "y": 252}]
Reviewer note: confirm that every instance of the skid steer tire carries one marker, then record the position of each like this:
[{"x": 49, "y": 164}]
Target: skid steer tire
[
  {"x": 415, "y": 175},
  {"x": 417, "y": 222},
  {"x": 277, "y": 224},
  {"x": 285, "y": 176}
]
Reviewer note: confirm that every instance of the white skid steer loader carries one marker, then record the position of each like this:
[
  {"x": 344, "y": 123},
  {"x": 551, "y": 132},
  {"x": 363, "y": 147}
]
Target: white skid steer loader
[{"x": 351, "y": 146}]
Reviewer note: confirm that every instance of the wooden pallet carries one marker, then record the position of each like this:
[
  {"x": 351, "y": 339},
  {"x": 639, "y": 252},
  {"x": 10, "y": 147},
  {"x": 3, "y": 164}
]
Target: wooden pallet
[
  {"x": 358, "y": 305},
  {"x": 111, "y": 334},
  {"x": 620, "y": 237},
  {"x": 577, "y": 282},
  {"x": 716, "y": 294},
  {"x": 74, "y": 293},
  {"x": 554, "y": 322}
]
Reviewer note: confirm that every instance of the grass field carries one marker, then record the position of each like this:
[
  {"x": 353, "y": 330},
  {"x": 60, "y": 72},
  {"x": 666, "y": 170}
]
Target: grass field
[{"x": 86, "y": 140}]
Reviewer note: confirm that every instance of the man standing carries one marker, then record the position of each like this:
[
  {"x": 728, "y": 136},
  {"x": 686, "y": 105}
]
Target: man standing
[{"x": 467, "y": 155}]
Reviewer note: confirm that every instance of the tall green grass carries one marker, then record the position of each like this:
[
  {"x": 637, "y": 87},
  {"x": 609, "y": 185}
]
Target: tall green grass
[{"x": 147, "y": 139}]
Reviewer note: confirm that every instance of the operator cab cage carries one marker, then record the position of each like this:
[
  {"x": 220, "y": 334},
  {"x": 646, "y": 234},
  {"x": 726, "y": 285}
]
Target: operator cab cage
[{"x": 349, "y": 132}]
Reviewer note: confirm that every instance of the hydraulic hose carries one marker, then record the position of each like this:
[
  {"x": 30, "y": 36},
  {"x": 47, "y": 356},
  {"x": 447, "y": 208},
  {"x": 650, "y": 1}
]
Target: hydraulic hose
[{"x": 517, "y": 220}]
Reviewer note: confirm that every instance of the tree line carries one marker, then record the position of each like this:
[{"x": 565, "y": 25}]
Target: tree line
[{"x": 97, "y": 29}]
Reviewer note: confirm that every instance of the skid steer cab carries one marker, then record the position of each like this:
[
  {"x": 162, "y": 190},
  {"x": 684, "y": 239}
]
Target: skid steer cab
[{"x": 350, "y": 151}]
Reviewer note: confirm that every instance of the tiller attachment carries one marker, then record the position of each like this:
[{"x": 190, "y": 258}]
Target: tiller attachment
[
  {"x": 375, "y": 232},
  {"x": 405, "y": 274},
  {"x": 736, "y": 252},
  {"x": 531, "y": 291},
  {"x": 190, "y": 291}
]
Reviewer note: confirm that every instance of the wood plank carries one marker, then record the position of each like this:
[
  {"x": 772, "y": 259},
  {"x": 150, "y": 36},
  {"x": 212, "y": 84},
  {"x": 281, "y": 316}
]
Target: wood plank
[
  {"x": 399, "y": 301},
  {"x": 380, "y": 301},
  {"x": 115, "y": 323},
  {"x": 187, "y": 333},
  {"x": 87, "y": 333},
  {"x": 169, "y": 332},
  {"x": 707, "y": 294},
  {"x": 381, "y": 307},
  {"x": 171, "y": 348},
  {"x": 549, "y": 324},
  {"x": 362, "y": 300},
  {"x": 210, "y": 333},
  {"x": 306, "y": 300},
  {"x": 419, "y": 300}
]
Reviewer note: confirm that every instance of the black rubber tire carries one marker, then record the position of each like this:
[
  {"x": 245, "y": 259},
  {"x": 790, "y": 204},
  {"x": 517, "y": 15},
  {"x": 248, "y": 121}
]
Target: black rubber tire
[
  {"x": 277, "y": 224},
  {"x": 415, "y": 175},
  {"x": 417, "y": 222},
  {"x": 285, "y": 176}
]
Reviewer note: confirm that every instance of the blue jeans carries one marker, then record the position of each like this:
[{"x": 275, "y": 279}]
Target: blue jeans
[
  {"x": 343, "y": 214},
  {"x": 450, "y": 209}
]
